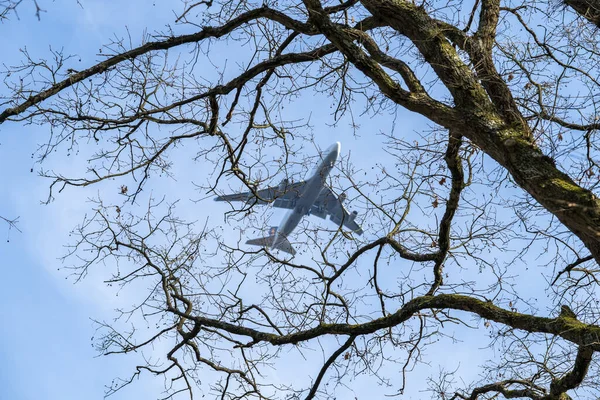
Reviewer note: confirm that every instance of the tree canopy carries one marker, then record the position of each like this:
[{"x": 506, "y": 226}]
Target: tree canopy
[{"x": 483, "y": 227}]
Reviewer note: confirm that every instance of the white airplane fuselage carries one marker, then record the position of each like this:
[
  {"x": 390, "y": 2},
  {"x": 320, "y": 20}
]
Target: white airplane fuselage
[{"x": 311, "y": 191}]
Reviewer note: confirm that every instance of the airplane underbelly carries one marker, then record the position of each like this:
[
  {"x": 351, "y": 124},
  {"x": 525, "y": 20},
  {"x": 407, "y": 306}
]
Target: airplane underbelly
[
  {"x": 305, "y": 201},
  {"x": 291, "y": 221},
  {"x": 309, "y": 196}
]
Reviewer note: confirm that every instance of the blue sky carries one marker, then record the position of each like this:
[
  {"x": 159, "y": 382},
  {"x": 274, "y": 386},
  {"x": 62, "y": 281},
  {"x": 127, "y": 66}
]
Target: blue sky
[
  {"x": 46, "y": 327},
  {"x": 45, "y": 320}
]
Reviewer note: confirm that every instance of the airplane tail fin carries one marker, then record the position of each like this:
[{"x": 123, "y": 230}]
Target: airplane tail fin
[{"x": 281, "y": 244}]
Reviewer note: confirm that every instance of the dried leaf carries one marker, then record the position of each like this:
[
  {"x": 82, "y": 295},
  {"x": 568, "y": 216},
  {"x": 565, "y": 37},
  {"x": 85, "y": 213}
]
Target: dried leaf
[
  {"x": 435, "y": 203},
  {"x": 123, "y": 189},
  {"x": 443, "y": 180}
]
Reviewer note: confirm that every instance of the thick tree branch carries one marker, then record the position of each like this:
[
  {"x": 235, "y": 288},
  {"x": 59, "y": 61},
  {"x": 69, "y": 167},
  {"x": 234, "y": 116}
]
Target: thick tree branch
[
  {"x": 574, "y": 378},
  {"x": 570, "y": 329},
  {"x": 454, "y": 163},
  {"x": 413, "y": 22},
  {"x": 504, "y": 137},
  {"x": 588, "y": 9},
  {"x": 503, "y": 387},
  {"x": 343, "y": 39},
  {"x": 488, "y": 21}
]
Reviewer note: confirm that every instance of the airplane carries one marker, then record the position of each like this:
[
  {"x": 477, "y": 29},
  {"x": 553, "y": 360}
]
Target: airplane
[{"x": 309, "y": 197}]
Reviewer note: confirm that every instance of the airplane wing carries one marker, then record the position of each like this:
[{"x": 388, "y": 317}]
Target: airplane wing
[
  {"x": 282, "y": 196},
  {"x": 329, "y": 204}
]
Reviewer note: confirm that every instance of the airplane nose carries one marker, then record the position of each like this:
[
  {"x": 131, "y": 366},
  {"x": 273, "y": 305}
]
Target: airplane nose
[
  {"x": 334, "y": 150},
  {"x": 338, "y": 147}
]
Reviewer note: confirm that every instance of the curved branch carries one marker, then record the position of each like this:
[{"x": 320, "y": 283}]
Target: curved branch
[
  {"x": 454, "y": 163},
  {"x": 574, "y": 377},
  {"x": 208, "y": 32},
  {"x": 568, "y": 328},
  {"x": 531, "y": 391},
  {"x": 343, "y": 38},
  {"x": 330, "y": 360}
]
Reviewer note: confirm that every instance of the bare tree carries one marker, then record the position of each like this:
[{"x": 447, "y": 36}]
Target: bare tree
[
  {"x": 509, "y": 165},
  {"x": 10, "y": 8},
  {"x": 11, "y": 222}
]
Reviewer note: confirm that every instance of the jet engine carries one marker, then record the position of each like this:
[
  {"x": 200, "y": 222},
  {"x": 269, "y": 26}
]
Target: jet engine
[
  {"x": 352, "y": 216},
  {"x": 283, "y": 185}
]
